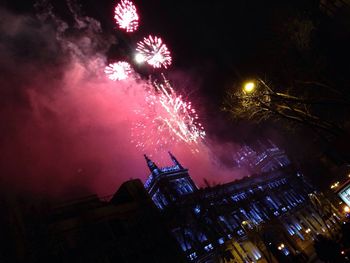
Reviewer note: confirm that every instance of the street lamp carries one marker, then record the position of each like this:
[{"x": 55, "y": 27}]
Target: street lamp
[
  {"x": 335, "y": 185},
  {"x": 247, "y": 225},
  {"x": 281, "y": 246},
  {"x": 249, "y": 87},
  {"x": 346, "y": 209}
]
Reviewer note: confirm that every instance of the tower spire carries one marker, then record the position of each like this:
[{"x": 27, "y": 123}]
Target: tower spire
[
  {"x": 175, "y": 161},
  {"x": 151, "y": 165}
]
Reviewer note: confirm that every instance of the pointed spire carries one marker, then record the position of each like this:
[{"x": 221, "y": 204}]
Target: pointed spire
[
  {"x": 175, "y": 161},
  {"x": 151, "y": 165}
]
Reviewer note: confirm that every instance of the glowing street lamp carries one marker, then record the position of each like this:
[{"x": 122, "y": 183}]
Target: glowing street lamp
[
  {"x": 346, "y": 209},
  {"x": 335, "y": 185},
  {"x": 246, "y": 225},
  {"x": 281, "y": 246},
  {"x": 249, "y": 87}
]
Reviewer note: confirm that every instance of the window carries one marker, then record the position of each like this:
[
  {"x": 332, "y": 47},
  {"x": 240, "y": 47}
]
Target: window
[
  {"x": 240, "y": 232},
  {"x": 181, "y": 236},
  {"x": 208, "y": 247},
  {"x": 159, "y": 199},
  {"x": 182, "y": 186},
  {"x": 192, "y": 256}
]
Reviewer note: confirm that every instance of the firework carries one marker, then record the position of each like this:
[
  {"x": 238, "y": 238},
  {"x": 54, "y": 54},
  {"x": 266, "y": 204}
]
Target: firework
[
  {"x": 154, "y": 52},
  {"x": 118, "y": 71},
  {"x": 168, "y": 120},
  {"x": 126, "y": 16}
]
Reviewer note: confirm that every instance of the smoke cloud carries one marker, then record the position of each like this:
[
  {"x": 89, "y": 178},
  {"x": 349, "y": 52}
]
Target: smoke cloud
[{"x": 66, "y": 128}]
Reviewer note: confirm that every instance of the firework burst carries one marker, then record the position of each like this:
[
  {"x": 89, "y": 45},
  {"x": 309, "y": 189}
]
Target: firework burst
[
  {"x": 168, "y": 120},
  {"x": 118, "y": 71},
  {"x": 154, "y": 52},
  {"x": 126, "y": 16}
]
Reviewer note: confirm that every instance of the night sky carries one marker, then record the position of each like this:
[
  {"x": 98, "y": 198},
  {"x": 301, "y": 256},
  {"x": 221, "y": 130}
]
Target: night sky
[{"x": 66, "y": 130}]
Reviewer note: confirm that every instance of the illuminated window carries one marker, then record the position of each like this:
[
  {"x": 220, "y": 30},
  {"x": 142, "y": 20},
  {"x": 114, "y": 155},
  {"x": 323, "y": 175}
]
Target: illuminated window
[
  {"x": 192, "y": 256},
  {"x": 240, "y": 232},
  {"x": 208, "y": 247},
  {"x": 202, "y": 237},
  {"x": 197, "y": 209},
  {"x": 291, "y": 231}
]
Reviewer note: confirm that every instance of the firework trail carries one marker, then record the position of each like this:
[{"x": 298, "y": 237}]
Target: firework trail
[
  {"x": 153, "y": 51},
  {"x": 168, "y": 120},
  {"x": 118, "y": 71},
  {"x": 166, "y": 117},
  {"x": 126, "y": 16}
]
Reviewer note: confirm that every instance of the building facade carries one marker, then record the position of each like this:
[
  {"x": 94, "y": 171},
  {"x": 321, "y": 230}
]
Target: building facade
[
  {"x": 262, "y": 157},
  {"x": 263, "y": 218},
  {"x": 271, "y": 217}
]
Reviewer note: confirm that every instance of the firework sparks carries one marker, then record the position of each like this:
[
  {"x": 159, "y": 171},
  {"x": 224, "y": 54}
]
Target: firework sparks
[
  {"x": 169, "y": 119},
  {"x": 118, "y": 71},
  {"x": 126, "y": 16},
  {"x": 154, "y": 52}
]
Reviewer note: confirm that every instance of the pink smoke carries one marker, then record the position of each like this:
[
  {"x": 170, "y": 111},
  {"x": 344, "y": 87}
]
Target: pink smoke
[{"x": 67, "y": 128}]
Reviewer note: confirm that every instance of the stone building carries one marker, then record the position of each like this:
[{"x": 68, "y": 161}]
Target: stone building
[{"x": 268, "y": 217}]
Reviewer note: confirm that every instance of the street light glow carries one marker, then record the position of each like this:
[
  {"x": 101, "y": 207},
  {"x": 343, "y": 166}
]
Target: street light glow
[
  {"x": 249, "y": 87},
  {"x": 281, "y": 246},
  {"x": 335, "y": 185},
  {"x": 346, "y": 209}
]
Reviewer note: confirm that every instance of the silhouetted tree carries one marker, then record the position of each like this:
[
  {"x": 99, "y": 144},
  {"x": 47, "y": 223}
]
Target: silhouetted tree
[{"x": 310, "y": 110}]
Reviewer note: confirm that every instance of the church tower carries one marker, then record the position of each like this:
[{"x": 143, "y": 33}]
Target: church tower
[{"x": 166, "y": 185}]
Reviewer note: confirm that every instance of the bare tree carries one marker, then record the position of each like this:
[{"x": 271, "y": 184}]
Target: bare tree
[{"x": 260, "y": 102}]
